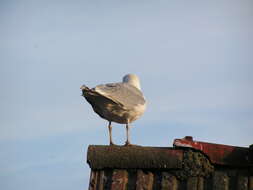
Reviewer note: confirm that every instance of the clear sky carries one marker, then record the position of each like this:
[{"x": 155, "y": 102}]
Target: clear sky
[{"x": 194, "y": 59}]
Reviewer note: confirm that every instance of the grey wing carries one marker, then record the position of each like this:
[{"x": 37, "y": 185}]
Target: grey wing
[{"x": 126, "y": 95}]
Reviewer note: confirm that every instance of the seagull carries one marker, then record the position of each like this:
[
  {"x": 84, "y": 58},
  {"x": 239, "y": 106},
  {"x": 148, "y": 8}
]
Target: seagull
[{"x": 121, "y": 102}]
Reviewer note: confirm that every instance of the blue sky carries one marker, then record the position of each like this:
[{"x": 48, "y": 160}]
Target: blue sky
[{"x": 194, "y": 60}]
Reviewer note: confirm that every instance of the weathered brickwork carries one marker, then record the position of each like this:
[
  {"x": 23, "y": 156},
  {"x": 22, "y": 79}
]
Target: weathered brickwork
[
  {"x": 177, "y": 168},
  {"x": 149, "y": 180}
]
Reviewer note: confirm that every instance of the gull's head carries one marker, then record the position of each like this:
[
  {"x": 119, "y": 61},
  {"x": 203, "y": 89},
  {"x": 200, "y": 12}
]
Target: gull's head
[{"x": 132, "y": 79}]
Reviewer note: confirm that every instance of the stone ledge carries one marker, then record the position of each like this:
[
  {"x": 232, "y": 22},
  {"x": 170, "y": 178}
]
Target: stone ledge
[{"x": 134, "y": 157}]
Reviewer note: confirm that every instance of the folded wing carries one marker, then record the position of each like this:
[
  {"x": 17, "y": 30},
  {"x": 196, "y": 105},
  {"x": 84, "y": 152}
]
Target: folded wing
[{"x": 124, "y": 94}]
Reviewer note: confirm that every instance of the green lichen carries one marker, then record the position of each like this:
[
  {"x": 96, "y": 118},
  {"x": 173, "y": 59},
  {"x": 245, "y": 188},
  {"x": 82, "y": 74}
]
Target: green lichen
[{"x": 195, "y": 164}]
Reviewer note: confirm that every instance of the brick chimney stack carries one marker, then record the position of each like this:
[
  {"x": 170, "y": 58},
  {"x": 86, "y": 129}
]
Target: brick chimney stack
[{"x": 188, "y": 165}]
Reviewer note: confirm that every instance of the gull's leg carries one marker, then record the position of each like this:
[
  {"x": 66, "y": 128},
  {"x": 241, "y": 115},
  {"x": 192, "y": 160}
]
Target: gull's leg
[
  {"x": 110, "y": 132},
  {"x": 128, "y": 135}
]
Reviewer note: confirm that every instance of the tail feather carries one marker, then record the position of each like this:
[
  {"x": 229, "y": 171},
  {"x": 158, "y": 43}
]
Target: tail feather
[
  {"x": 83, "y": 87},
  {"x": 91, "y": 95},
  {"x": 86, "y": 91}
]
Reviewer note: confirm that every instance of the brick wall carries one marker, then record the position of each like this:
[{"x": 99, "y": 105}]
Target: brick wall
[
  {"x": 122, "y": 179},
  {"x": 168, "y": 168}
]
